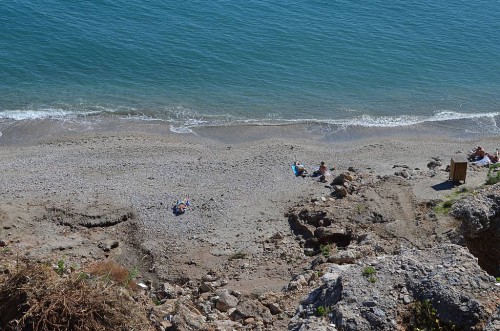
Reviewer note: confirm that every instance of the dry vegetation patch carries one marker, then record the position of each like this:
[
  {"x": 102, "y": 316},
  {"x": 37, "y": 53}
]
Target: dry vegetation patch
[{"x": 33, "y": 296}]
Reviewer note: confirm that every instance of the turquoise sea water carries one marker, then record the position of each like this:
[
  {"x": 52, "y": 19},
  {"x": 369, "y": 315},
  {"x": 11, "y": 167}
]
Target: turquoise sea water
[{"x": 192, "y": 63}]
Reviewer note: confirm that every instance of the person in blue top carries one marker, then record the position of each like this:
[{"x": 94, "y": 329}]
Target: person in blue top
[
  {"x": 301, "y": 171},
  {"x": 181, "y": 205}
]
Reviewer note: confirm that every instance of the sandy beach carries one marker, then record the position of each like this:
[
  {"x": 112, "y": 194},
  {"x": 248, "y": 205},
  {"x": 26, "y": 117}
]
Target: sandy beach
[{"x": 120, "y": 180}]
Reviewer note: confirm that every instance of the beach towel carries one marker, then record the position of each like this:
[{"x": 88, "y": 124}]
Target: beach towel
[{"x": 483, "y": 162}]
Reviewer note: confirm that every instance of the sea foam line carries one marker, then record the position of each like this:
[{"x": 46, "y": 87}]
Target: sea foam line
[
  {"x": 183, "y": 121},
  {"x": 187, "y": 125}
]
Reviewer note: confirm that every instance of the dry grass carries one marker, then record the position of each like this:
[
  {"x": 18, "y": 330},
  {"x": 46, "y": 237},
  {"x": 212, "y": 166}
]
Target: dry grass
[
  {"x": 34, "y": 297},
  {"x": 114, "y": 272}
]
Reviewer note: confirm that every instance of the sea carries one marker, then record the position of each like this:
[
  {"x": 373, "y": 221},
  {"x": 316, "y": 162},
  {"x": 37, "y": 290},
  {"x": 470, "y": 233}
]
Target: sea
[{"x": 341, "y": 64}]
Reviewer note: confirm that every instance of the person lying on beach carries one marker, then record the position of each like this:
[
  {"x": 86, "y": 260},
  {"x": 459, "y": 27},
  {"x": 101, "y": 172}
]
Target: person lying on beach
[
  {"x": 487, "y": 159},
  {"x": 493, "y": 157},
  {"x": 301, "y": 171},
  {"x": 180, "y": 206}
]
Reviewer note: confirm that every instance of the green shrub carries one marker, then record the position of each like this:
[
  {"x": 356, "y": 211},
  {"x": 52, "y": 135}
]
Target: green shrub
[
  {"x": 369, "y": 271},
  {"x": 322, "y": 311},
  {"x": 493, "y": 175},
  {"x": 325, "y": 250},
  {"x": 60, "y": 267},
  {"x": 444, "y": 207},
  {"x": 426, "y": 318},
  {"x": 132, "y": 274}
]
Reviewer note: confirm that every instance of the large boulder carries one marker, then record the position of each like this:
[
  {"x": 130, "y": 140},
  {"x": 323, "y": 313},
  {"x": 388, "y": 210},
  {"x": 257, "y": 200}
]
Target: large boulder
[
  {"x": 480, "y": 227},
  {"x": 251, "y": 309},
  {"x": 375, "y": 294}
]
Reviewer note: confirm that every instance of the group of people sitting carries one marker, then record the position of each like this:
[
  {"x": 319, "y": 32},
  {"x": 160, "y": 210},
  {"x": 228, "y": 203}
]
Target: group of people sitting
[
  {"x": 481, "y": 157},
  {"x": 321, "y": 172}
]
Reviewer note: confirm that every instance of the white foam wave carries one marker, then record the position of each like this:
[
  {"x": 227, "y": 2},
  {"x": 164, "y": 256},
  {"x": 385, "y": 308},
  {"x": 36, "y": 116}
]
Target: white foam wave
[
  {"x": 20, "y": 115},
  {"x": 188, "y": 125},
  {"x": 407, "y": 120},
  {"x": 183, "y": 120}
]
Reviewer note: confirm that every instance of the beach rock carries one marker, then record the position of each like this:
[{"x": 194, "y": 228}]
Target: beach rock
[
  {"x": 226, "y": 301},
  {"x": 312, "y": 217},
  {"x": 251, "y": 308},
  {"x": 187, "y": 317},
  {"x": 358, "y": 300},
  {"x": 311, "y": 324},
  {"x": 274, "y": 308},
  {"x": 206, "y": 287},
  {"x": 328, "y": 235},
  {"x": 169, "y": 291},
  {"x": 480, "y": 227},
  {"x": 405, "y": 174},
  {"x": 343, "y": 257},
  {"x": 339, "y": 191},
  {"x": 494, "y": 321},
  {"x": 434, "y": 164},
  {"x": 108, "y": 245},
  {"x": 343, "y": 178}
]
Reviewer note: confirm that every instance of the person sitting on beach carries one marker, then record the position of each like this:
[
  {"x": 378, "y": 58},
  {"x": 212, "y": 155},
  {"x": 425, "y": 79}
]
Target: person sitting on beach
[
  {"x": 477, "y": 154},
  {"x": 322, "y": 170}
]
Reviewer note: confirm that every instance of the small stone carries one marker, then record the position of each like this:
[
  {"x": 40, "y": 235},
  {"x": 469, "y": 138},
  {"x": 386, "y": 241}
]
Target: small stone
[
  {"x": 369, "y": 303},
  {"x": 274, "y": 308},
  {"x": 205, "y": 287},
  {"x": 249, "y": 320},
  {"x": 226, "y": 301}
]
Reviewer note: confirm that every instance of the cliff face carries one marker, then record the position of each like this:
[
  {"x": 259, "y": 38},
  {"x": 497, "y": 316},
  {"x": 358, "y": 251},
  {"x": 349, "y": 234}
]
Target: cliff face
[
  {"x": 387, "y": 260},
  {"x": 479, "y": 214},
  {"x": 446, "y": 277}
]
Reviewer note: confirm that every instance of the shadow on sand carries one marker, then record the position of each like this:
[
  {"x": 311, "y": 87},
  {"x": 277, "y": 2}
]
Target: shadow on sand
[{"x": 446, "y": 185}]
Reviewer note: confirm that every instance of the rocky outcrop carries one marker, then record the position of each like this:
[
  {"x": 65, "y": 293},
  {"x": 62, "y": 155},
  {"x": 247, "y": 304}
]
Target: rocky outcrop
[
  {"x": 480, "y": 225},
  {"x": 367, "y": 221},
  {"x": 381, "y": 293},
  {"x": 494, "y": 321}
]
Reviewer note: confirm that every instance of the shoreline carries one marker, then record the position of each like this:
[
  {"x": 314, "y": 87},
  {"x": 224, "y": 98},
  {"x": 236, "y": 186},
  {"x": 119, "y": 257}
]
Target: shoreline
[{"x": 31, "y": 130}]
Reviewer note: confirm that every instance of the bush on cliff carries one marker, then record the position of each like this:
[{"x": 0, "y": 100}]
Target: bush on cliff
[
  {"x": 36, "y": 297},
  {"x": 493, "y": 175}
]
